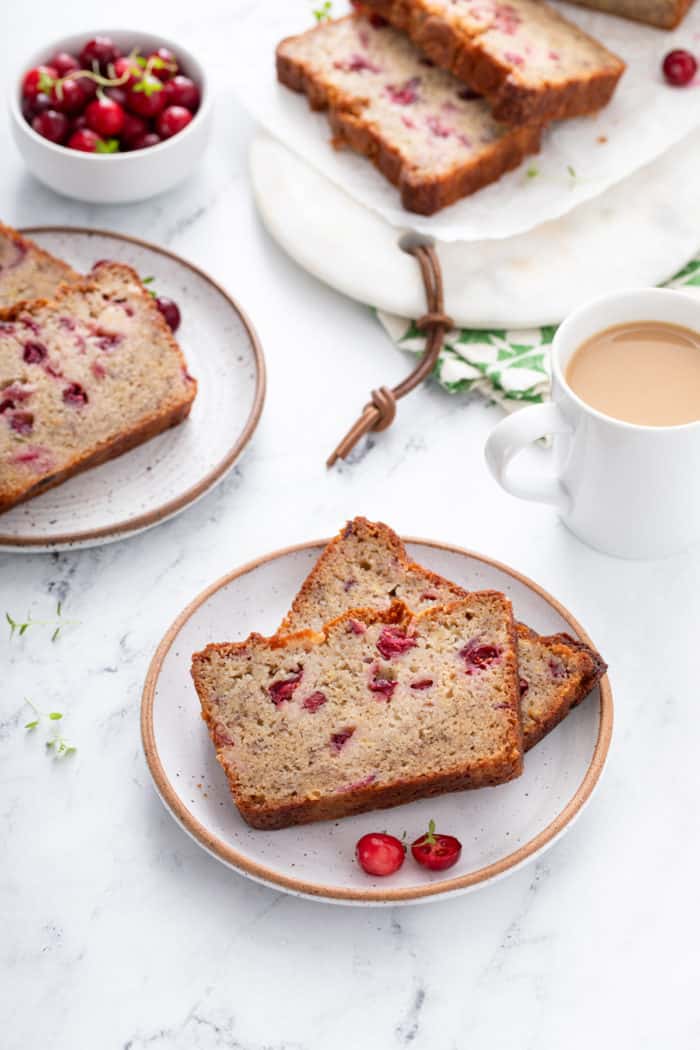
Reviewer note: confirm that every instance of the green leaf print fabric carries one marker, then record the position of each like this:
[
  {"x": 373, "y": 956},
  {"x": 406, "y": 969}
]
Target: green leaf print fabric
[{"x": 509, "y": 367}]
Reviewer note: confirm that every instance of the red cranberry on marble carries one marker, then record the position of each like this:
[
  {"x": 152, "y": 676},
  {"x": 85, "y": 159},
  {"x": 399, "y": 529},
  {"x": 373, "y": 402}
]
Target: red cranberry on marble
[{"x": 679, "y": 67}]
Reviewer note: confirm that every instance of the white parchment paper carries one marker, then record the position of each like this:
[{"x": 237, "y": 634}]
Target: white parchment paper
[{"x": 579, "y": 158}]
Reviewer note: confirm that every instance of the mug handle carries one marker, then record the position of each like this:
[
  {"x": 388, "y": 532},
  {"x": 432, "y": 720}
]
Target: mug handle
[{"x": 510, "y": 436}]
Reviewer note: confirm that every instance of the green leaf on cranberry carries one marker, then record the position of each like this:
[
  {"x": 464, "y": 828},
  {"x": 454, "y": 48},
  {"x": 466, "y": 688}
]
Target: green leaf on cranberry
[
  {"x": 148, "y": 86},
  {"x": 107, "y": 146}
]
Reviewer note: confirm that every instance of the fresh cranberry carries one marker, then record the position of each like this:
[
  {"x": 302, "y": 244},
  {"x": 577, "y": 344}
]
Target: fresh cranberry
[
  {"x": 181, "y": 91},
  {"x": 32, "y": 107},
  {"x": 145, "y": 141},
  {"x": 22, "y": 422},
  {"x": 133, "y": 128},
  {"x": 88, "y": 87},
  {"x": 116, "y": 94},
  {"x": 126, "y": 66},
  {"x": 75, "y": 395},
  {"x": 78, "y": 123},
  {"x": 68, "y": 96},
  {"x": 146, "y": 97},
  {"x": 478, "y": 657},
  {"x": 282, "y": 690},
  {"x": 314, "y": 701},
  {"x": 85, "y": 140},
  {"x": 172, "y": 120},
  {"x": 380, "y": 854},
  {"x": 393, "y": 641},
  {"x": 64, "y": 63},
  {"x": 340, "y": 739},
  {"x": 163, "y": 63},
  {"x": 51, "y": 125},
  {"x": 436, "y": 852},
  {"x": 102, "y": 51},
  {"x": 422, "y": 683},
  {"x": 40, "y": 78},
  {"x": 679, "y": 67},
  {"x": 34, "y": 353},
  {"x": 170, "y": 311},
  {"x": 105, "y": 117}
]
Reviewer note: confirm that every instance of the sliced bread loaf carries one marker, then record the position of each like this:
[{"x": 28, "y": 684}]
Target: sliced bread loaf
[
  {"x": 377, "y": 709},
  {"x": 529, "y": 62},
  {"x": 666, "y": 14},
  {"x": 367, "y": 565},
  {"x": 83, "y": 378},
  {"x": 27, "y": 271},
  {"x": 418, "y": 124}
]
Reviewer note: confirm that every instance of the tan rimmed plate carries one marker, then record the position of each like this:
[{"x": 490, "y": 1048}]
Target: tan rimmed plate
[
  {"x": 501, "y": 828},
  {"x": 161, "y": 477}
]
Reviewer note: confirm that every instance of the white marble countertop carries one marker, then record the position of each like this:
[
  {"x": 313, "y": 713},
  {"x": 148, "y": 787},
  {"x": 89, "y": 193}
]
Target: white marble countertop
[{"x": 118, "y": 931}]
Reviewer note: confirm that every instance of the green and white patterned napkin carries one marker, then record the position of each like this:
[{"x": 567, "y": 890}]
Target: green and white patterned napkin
[{"x": 509, "y": 367}]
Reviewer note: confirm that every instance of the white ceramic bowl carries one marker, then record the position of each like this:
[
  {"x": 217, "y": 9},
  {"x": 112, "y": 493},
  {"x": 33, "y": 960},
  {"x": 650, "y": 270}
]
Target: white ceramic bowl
[{"x": 118, "y": 178}]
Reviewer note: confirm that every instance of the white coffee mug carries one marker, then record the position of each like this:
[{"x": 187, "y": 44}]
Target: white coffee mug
[{"x": 628, "y": 490}]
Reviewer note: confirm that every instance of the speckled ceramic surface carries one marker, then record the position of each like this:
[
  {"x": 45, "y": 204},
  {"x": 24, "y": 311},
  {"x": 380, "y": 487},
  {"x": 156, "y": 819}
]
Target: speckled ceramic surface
[
  {"x": 636, "y": 234},
  {"x": 501, "y": 828},
  {"x": 163, "y": 476}
]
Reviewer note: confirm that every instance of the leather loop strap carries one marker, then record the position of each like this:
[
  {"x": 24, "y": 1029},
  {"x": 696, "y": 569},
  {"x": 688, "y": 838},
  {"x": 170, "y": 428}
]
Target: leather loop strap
[{"x": 381, "y": 410}]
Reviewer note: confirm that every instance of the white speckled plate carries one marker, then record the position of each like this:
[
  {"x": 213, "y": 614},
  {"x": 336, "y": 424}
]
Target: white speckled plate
[
  {"x": 501, "y": 828},
  {"x": 163, "y": 476}
]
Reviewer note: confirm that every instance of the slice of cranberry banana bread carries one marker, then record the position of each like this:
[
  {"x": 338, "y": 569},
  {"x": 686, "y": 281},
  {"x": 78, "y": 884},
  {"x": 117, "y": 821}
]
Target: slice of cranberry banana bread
[
  {"x": 666, "y": 14},
  {"x": 27, "y": 271},
  {"x": 378, "y": 709},
  {"x": 367, "y": 565},
  {"x": 530, "y": 63},
  {"x": 83, "y": 378},
  {"x": 420, "y": 126}
]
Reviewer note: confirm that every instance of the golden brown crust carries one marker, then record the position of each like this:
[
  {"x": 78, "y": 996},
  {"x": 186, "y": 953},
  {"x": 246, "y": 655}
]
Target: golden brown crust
[
  {"x": 421, "y": 195},
  {"x": 591, "y": 667},
  {"x": 665, "y": 15},
  {"x": 168, "y": 416},
  {"x": 479, "y": 773},
  {"x": 466, "y": 58}
]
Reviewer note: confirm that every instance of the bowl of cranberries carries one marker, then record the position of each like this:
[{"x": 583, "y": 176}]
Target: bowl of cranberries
[{"x": 111, "y": 117}]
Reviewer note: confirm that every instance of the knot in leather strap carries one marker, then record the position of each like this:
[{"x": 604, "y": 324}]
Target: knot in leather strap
[
  {"x": 385, "y": 404},
  {"x": 432, "y": 320}
]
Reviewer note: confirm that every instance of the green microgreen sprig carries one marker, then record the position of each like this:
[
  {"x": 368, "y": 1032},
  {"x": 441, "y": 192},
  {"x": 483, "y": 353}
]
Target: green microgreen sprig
[
  {"x": 55, "y": 743},
  {"x": 323, "y": 12},
  {"x": 20, "y": 627}
]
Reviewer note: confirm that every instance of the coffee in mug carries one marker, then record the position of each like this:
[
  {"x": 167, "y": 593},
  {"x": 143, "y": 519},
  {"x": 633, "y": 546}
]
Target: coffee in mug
[{"x": 643, "y": 372}]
